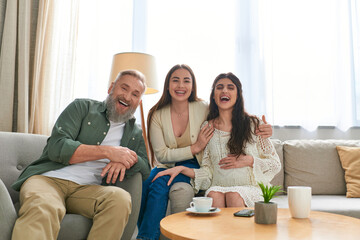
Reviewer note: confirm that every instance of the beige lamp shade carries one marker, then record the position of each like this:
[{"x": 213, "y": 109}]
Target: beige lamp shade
[{"x": 142, "y": 62}]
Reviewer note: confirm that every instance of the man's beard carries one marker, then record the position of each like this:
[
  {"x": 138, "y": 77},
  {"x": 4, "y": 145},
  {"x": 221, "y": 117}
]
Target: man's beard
[{"x": 113, "y": 115}]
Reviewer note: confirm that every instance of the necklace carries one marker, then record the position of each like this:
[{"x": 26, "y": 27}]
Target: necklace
[{"x": 179, "y": 115}]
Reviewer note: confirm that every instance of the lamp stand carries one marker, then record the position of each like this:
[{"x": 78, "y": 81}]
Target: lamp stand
[{"x": 144, "y": 130}]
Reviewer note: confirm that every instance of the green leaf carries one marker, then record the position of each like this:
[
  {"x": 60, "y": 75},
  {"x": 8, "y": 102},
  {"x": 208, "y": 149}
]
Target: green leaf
[{"x": 268, "y": 191}]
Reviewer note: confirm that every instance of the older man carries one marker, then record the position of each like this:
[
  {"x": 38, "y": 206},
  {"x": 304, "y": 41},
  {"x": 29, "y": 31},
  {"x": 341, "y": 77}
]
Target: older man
[{"x": 90, "y": 140}]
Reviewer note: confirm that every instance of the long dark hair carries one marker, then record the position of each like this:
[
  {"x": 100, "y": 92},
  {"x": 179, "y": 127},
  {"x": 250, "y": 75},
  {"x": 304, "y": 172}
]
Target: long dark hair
[
  {"x": 241, "y": 132},
  {"x": 166, "y": 99}
]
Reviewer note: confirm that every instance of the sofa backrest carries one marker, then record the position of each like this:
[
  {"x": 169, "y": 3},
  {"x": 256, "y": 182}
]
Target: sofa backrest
[
  {"x": 315, "y": 163},
  {"x": 18, "y": 150}
]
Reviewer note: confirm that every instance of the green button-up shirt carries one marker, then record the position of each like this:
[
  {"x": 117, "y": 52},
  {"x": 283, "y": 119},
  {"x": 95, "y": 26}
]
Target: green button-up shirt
[{"x": 84, "y": 121}]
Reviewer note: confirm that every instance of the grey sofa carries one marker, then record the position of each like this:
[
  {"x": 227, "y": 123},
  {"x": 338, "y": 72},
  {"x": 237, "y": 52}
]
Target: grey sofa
[
  {"x": 17, "y": 150},
  {"x": 316, "y": 163},
  {"x": 313, "y": 163}
]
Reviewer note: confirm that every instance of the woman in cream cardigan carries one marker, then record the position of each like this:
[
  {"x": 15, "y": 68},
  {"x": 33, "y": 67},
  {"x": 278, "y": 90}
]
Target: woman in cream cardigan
[
  {"x": 175, "y": 139},
  {"x": 235, "y": 159}
]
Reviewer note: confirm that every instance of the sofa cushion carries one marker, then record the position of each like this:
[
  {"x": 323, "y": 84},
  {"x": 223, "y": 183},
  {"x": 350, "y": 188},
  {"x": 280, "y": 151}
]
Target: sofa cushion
[
  {"x": 74, "y": 226},
  {"x": 338, "y": 204},
  {"x": 315, "y": 163},
  {"x": 8, "y": 214},
  {"x": 350, "y": 161},
  {"x": 18, "y": 150}
]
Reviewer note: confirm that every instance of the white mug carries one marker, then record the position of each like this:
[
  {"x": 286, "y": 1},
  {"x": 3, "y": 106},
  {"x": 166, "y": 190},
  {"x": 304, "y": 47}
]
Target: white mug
[
  {"x": 201, "y": 204},
  {"x": 299, "y": 199}
]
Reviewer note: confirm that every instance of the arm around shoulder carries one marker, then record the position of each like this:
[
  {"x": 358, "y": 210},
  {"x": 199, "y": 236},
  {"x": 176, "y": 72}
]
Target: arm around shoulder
[{"x": 267, "y": 163}]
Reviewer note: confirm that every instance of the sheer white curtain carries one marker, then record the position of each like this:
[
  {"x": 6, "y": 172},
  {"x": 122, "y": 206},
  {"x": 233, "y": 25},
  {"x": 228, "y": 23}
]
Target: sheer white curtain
[
  {"x": 308, "y": 57},
  {"x": 298, "y": 60},
  {"x": 294, "y": 58},
  {"x": 355, "y": 22},
  {"x": 54, "y": 62},
  {"x": 199, "y": 33},
  {"x": 105, "y": 28},
  {"x": 79, "y": 39}
]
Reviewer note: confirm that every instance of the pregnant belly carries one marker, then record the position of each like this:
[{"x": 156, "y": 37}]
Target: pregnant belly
[{"x": 232, "y": 177}]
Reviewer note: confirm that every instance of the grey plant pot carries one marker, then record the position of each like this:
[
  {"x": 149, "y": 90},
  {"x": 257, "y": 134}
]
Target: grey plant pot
[{"x": 265, "y": 213}]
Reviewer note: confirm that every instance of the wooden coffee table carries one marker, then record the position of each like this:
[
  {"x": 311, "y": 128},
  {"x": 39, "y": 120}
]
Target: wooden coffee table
[{"x": 223, "y": 225}]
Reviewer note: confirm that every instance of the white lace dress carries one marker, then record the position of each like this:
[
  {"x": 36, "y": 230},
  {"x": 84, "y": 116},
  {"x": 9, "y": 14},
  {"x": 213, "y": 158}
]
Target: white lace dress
[{"x": 241, "y": 180}]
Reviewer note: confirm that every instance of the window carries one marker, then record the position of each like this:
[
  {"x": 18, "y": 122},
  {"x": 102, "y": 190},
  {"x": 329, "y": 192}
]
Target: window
[
  {"x": 294, "y": 58},
  {"x": 298, "y": 61},
  {"x": 355, "y": 24},
  {"x": 104, "y": 30},
  {"x": 308, "y": 58},
  {"x": 200, "y": 34}
]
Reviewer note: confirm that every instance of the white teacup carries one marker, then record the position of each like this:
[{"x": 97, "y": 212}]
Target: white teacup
[
  {"x": 201, "y": 204},
  {"x": 299, "y": 199}
]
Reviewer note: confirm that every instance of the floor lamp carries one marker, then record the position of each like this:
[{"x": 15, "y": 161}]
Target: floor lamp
[{"x": 144, "y": 63}]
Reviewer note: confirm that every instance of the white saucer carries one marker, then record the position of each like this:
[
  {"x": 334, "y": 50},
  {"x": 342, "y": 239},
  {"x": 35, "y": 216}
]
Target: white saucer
[{"x": 193, "y": 210}]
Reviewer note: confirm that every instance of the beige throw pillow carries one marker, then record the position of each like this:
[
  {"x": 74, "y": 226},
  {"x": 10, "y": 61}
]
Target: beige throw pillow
[{"x": 350, "y": 161}]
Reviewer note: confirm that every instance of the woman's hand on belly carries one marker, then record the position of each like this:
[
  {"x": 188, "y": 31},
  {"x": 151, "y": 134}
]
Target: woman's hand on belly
[{"x": 233, "y": 161}]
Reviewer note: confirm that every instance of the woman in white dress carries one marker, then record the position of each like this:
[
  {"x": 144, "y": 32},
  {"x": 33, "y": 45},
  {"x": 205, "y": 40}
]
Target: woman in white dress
[
  {"x": 175, "y": 139},
  {"x": 235, "y": 159}
]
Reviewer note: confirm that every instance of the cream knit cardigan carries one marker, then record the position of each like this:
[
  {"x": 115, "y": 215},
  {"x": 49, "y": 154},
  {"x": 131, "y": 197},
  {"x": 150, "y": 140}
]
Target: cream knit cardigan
[{"x": 163, "y": 139}]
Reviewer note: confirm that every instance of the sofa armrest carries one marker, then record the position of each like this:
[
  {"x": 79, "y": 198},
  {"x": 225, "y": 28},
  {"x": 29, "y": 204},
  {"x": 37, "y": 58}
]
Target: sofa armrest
[
  {"x": 132, "y": 185},
  {"x": 8, "y": 214}
]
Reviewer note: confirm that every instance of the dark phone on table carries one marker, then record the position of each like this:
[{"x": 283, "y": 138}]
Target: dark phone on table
[{"x": 245, "y": 213}]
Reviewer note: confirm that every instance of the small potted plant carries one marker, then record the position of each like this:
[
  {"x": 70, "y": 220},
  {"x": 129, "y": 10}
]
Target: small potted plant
[{"x": 266, "y": 211}]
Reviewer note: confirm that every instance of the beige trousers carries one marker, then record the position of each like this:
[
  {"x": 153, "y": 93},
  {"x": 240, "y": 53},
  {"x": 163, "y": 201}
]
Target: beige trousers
[{"x": 45, "y": 200}]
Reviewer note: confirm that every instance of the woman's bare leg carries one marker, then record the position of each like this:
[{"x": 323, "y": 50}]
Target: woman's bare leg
[
  {"x": 233, "y": 199},
  {"x": 218, "y": 199}
]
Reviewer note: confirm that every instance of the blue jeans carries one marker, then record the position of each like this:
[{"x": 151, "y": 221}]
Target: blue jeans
[{"x": 154, "y": 201}]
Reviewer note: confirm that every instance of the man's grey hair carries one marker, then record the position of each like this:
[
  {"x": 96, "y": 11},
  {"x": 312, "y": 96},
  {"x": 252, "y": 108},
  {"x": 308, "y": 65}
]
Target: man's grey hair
[{"x": 132, "y": 72}]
